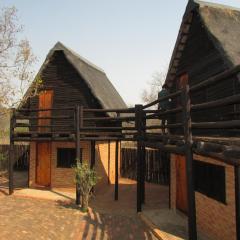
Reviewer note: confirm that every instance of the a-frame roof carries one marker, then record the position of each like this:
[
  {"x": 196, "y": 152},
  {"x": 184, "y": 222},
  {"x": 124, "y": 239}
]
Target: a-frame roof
[
  {"x": 95, "y": 78},
  {"x": 222, "y": 24}
]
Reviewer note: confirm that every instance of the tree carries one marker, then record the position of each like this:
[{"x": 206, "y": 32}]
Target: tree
[
  {"x": 155, "y": 85},
  {"x": 16, "y": 59},
  {"x": 86, "y": 178}
]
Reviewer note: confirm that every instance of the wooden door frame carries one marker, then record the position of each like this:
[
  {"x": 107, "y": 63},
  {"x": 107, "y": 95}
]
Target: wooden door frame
[
  {"x": 177, "y": 159},
  {"x": 36, "y": 165}
]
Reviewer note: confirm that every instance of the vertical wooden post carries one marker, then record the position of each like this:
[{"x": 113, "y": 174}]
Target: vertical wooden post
[
  {"x": 138, "y": 126},
  {"x": 78, "y": 150},
  {"x": 93, "y": 154},
  {"x": 186, "y": 105},
  {"x": 109, "y": 159},
  {"x": 237, "y": 200},
  {"x": 116, "y": 171},
  {"x": 143, "y": 149},
  {"x": 11, "y": 153}
]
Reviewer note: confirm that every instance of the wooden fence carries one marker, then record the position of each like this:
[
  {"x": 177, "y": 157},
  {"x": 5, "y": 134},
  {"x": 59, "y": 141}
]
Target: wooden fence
[
  {"x": 21, "y": 153},
  {"x": 156, "y": 165}
]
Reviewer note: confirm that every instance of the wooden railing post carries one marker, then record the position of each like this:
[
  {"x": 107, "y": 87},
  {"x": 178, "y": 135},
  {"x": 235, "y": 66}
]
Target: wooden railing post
[
  {"x": 186, "y": 105},
  {"x": 237, "y": 200},
  {"x": 116, "y": 170},
  {"x": 140, "y": 153},
  {"x": 143, "y": 132},
  {"x": 93, "y": 154},
  {"x": 11, "y": 153}
]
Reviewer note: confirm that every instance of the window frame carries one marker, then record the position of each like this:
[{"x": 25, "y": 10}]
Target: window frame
[
  {"x": 210, "y": 187},
  {"x": 66, "y": 166}
]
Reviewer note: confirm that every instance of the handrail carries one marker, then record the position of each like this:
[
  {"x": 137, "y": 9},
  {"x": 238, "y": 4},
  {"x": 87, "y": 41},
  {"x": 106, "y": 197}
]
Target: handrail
[{"x": 171, "y": 95}]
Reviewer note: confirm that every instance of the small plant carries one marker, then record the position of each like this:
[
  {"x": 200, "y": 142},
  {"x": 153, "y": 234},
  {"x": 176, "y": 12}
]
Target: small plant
[
  {"x": 3, "y": 161},
  {"x": 86, "y": 178}
]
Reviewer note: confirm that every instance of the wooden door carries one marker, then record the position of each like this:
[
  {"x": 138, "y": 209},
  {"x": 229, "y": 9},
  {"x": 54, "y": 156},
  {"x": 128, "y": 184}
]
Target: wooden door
[
  {"x": 181, "y": 182},
  {"x": 43, "y": 164},
  {"x": 181, "y": 176},
  {"x": 45, "y": 102}
]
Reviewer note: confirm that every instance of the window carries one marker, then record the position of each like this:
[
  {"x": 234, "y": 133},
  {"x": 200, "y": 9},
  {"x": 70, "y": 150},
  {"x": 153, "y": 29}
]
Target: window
[
  {"x": 210, "y": 180},
  {"x": 66, "y": 157}
]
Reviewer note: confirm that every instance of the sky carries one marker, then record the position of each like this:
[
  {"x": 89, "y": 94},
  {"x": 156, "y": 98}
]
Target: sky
[{"x": 130, "y": 39}]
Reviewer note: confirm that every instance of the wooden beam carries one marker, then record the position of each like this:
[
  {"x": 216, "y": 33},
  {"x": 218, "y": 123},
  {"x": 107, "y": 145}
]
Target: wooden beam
[
  {"x": 169, "y": 96},
  {"x": 219, "y": 124},
  {"x": 217, "y": 103},
  {"x": 192, "y": 224},
  {"x": 216, "y": 78},
  {"x": 237, "y": 200}
]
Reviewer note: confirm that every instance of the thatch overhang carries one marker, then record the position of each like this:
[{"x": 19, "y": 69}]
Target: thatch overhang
[
  {"x": 95, "y": 78},
  {"x": 222, "y": 24}
]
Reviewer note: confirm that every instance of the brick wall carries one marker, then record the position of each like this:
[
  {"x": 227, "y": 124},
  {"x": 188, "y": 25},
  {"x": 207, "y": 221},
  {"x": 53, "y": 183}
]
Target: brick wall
[
  {"x": 214, "y": 219},
  {"x": 64, "y": 177},
  {"x": 105, "y": 164}
]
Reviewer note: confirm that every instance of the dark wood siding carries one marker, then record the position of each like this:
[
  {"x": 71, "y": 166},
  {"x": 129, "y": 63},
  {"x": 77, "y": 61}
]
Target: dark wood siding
[
  {"x": 69, "y": 89},
  {"x": 201, "y": 60}
]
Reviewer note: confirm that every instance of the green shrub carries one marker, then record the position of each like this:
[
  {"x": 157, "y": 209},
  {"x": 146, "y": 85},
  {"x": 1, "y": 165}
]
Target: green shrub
[{"x": 86, "y": 178}]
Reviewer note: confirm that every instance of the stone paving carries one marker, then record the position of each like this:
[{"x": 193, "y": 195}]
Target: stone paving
[{"x": 25, "y": 218}]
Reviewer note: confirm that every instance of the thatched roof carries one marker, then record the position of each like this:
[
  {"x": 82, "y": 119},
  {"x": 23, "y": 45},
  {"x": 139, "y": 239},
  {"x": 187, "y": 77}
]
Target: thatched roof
[
  {"x": 222, "y": 24},
  {"x": 95, "y": 78}
]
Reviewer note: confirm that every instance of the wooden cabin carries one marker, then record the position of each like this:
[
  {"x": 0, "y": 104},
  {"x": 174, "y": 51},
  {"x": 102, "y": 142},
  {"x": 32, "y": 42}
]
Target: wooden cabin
[
  {"x": 207, "y": 45},
  {"x": 67, "y": 80}
]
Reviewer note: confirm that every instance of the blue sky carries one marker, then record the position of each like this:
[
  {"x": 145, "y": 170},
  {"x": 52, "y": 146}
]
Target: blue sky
[{"x": 129, "y": 39}]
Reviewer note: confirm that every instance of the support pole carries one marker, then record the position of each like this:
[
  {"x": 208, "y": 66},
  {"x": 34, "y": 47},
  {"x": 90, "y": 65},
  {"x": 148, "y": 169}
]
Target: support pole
[
  {"x": 109, "y": 159},
  {"x": 116, "y": 171},
  {"x": 78, "y": 195},
  {"x": 93, "y": 154},
  {"x": 11, "y": 153},
  {"x": 237, "y": 200},
  {"x": 143, "y": 160},
  {"x": 138, "y": 125},
  {"x": 186, "y": 104}
]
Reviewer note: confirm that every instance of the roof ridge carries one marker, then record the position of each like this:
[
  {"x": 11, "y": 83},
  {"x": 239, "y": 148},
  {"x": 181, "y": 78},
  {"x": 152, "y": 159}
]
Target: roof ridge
[
  {"x": 216, "y": 5},
  {"x": 61, "y": 46}
]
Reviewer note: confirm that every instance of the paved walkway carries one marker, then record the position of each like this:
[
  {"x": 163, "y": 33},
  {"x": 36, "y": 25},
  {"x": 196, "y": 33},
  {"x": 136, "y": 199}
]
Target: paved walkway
[{"x": 24, "y": 218}]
